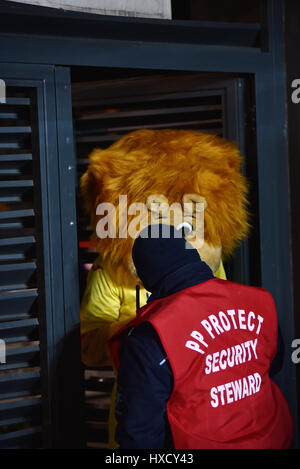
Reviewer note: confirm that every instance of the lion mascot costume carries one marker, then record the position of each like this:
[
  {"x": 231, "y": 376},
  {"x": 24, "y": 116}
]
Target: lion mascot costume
[{"x": 155, "y": 169}]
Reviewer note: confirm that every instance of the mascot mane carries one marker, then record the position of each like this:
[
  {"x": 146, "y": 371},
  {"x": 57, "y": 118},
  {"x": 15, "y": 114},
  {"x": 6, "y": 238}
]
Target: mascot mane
[{"x": 172, "y": 163}]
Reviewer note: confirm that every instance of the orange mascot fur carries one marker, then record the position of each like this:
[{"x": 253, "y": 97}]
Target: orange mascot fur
[{"x": 162, "y": 166}]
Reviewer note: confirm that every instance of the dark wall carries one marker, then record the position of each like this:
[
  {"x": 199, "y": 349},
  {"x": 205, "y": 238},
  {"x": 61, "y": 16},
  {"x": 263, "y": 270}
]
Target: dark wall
[{"x": 292, "y": 41}]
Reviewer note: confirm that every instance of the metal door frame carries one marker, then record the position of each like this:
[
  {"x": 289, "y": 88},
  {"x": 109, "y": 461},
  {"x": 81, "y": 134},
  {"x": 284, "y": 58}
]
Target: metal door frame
[{"x": 267, "y": 68}]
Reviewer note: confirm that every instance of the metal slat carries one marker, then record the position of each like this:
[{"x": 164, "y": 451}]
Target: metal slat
[
  {"x": 15, "y": 169},
  {"x": 147, "y": 112},
  {"x": 14, "y": 116},
  {"x": 19, "y": 331},
  {"x": 180, "y": 125},
  {"x": 16, "y": 227},
  {"x": 21, "y": 198},
  {"x": 13, "y": 385},
  {"x": 16, "y": 191},
  {"x": 14, "y": 244},
  {"x": 94, "y": 414},
  {"x": 154, "y": 87},
  {"x": 22, "y": 357},
  {"x": 186, "y": 124},
  {"x": 104, "y": 138},
  {"x": 16, "y": 157},
  {"x": 8, "y": 114},
  {"x": 199, "y": 124},
  {"x": 18, "y": 304},
  {"x": 16, "y": 274},
  {"x": 142, "y": 99},
  {"x": 16, "y": 295},
  {"x": 152, "y": 116},
  {"x": 16, "y": 214},
  {"x": 11, "y": 184},
  {"x": 17, "y": 101},
  {"x": 12, "y": 249},
  {"x": 99, "y": 384},
  {"x": 28, "y": 438},
  {"x": 11, "y": 145},
  {"x": 9, "y": 172},
  {"x": 91, "y": 139},
  {"x": 15, "y": 130},
  {"x": 5, "y": 269},
  {"x": 16, "y": 248},
  {"x": 20, "y": 411}
]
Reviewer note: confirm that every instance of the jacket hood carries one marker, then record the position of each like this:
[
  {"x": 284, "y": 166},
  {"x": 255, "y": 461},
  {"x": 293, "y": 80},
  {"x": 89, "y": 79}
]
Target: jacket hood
[{"x": 160, "y": 250}]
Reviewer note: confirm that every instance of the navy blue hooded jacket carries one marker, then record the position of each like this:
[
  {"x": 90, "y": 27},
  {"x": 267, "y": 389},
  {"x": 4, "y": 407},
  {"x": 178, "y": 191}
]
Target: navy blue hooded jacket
[{"x": 145, "y": 379}]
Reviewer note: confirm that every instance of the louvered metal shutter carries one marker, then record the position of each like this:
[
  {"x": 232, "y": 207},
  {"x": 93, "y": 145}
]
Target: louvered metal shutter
[
  {"x": 103, "y": 112},
  {"x": 20, "y": 379},
  {"x": 34, "y": 410}
]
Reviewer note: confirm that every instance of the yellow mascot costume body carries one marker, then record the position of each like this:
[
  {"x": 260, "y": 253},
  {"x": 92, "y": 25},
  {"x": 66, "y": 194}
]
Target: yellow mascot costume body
[{"x": 153, "y": 169}]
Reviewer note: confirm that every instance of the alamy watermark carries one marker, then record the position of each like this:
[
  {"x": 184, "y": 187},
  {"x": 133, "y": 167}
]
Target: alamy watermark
[
  {"x": 2, "y": 342},
  {"x": 296, "y": 353},
  {"x": 295, "y": 96},
  {"x": 2, "y": 351},
  {"x": 2, "y": 92},
  {"x": 114, "y": 220}
]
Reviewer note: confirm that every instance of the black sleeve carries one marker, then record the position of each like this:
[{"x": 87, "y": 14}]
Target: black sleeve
[{"x": 144, "y": 385}]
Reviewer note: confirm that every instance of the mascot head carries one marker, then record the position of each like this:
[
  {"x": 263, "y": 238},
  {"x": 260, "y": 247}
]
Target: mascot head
[{"x": 156, "y": 170}]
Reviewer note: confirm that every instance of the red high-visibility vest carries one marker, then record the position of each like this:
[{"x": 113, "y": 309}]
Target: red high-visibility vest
[{"x": 220, "y": 338}]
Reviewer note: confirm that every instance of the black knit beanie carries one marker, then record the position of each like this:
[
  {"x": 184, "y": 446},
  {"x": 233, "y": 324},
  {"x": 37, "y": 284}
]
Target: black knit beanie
[{"x": 160, "y": 250}]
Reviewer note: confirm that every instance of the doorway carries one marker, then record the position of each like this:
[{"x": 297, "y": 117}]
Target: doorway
[{"x": 110, "y": 102}]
